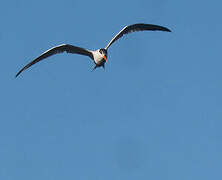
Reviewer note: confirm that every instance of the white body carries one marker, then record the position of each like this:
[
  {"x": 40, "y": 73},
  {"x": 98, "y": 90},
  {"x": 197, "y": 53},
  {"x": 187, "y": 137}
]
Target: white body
[{"x": 98, "y": 57}]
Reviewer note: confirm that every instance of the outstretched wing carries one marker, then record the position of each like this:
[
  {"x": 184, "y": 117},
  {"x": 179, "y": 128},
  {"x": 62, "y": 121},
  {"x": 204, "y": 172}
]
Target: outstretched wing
[
  {"x": 134, "y": 28},
  {"x": 58, "y": 49}
]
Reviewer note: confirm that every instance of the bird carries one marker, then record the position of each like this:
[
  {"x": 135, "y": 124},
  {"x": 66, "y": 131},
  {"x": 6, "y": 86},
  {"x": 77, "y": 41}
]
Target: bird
[{"x": 98, "y": 56}]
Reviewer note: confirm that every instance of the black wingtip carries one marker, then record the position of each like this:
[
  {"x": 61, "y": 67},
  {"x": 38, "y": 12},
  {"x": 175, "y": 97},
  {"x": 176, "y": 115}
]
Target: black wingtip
[
  {"x": 166, "y": 29},
  {"x": 18, "y": 73}
]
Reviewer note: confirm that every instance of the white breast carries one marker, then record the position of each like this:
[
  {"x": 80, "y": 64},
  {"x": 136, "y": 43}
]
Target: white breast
[{"x": 98, "y": 57}]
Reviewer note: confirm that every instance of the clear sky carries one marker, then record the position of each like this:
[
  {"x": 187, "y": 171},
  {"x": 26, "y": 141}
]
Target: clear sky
[{"x": 154, "y": 113}]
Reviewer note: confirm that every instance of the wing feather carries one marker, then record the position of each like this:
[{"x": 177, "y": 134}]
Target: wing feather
[
  {"x": 55, "y": 50},
  {"x": 134, "y": 28}
]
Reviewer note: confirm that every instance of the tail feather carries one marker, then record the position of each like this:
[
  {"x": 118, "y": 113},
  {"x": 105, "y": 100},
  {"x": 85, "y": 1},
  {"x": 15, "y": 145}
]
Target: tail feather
[{"x": 94, "y": 68}]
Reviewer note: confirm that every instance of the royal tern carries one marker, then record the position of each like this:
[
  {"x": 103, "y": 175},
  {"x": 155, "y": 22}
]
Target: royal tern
[{"x": 98, "y": 56}]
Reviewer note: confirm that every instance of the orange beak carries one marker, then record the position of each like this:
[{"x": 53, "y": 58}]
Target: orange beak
[{"x": 105, "y": 57}]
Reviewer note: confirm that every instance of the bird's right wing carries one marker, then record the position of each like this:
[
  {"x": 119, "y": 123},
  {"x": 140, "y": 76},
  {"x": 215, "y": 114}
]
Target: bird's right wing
[
  {"x": 134, "y": 28},
  {"x": 58, "y": 49}
]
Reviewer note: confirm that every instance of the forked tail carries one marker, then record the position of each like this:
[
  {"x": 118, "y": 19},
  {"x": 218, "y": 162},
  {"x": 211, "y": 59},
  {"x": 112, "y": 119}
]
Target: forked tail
[{"x": 96, "y": 66}]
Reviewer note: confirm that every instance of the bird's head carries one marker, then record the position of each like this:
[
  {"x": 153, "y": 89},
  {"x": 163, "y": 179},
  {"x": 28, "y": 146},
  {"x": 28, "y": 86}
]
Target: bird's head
[{"x": 104, "y": 53}]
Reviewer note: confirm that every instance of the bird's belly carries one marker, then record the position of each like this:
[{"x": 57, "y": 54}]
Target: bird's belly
[{"x": 99, "y": 61}]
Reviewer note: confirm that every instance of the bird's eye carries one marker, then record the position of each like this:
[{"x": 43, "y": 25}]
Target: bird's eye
[{"x": 101, "y": 51}]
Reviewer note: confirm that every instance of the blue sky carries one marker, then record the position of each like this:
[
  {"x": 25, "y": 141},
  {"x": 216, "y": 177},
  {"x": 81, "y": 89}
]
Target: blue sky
[{"x": 154, "y": 113}]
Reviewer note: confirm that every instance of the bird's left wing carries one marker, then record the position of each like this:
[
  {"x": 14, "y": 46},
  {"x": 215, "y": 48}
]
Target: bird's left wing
[
  {"x": 58, "y": 49},
  {"x": 134, "y": 28}
]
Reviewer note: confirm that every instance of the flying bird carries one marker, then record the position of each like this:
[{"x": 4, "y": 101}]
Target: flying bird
[{"x": 98, "y": 56}]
